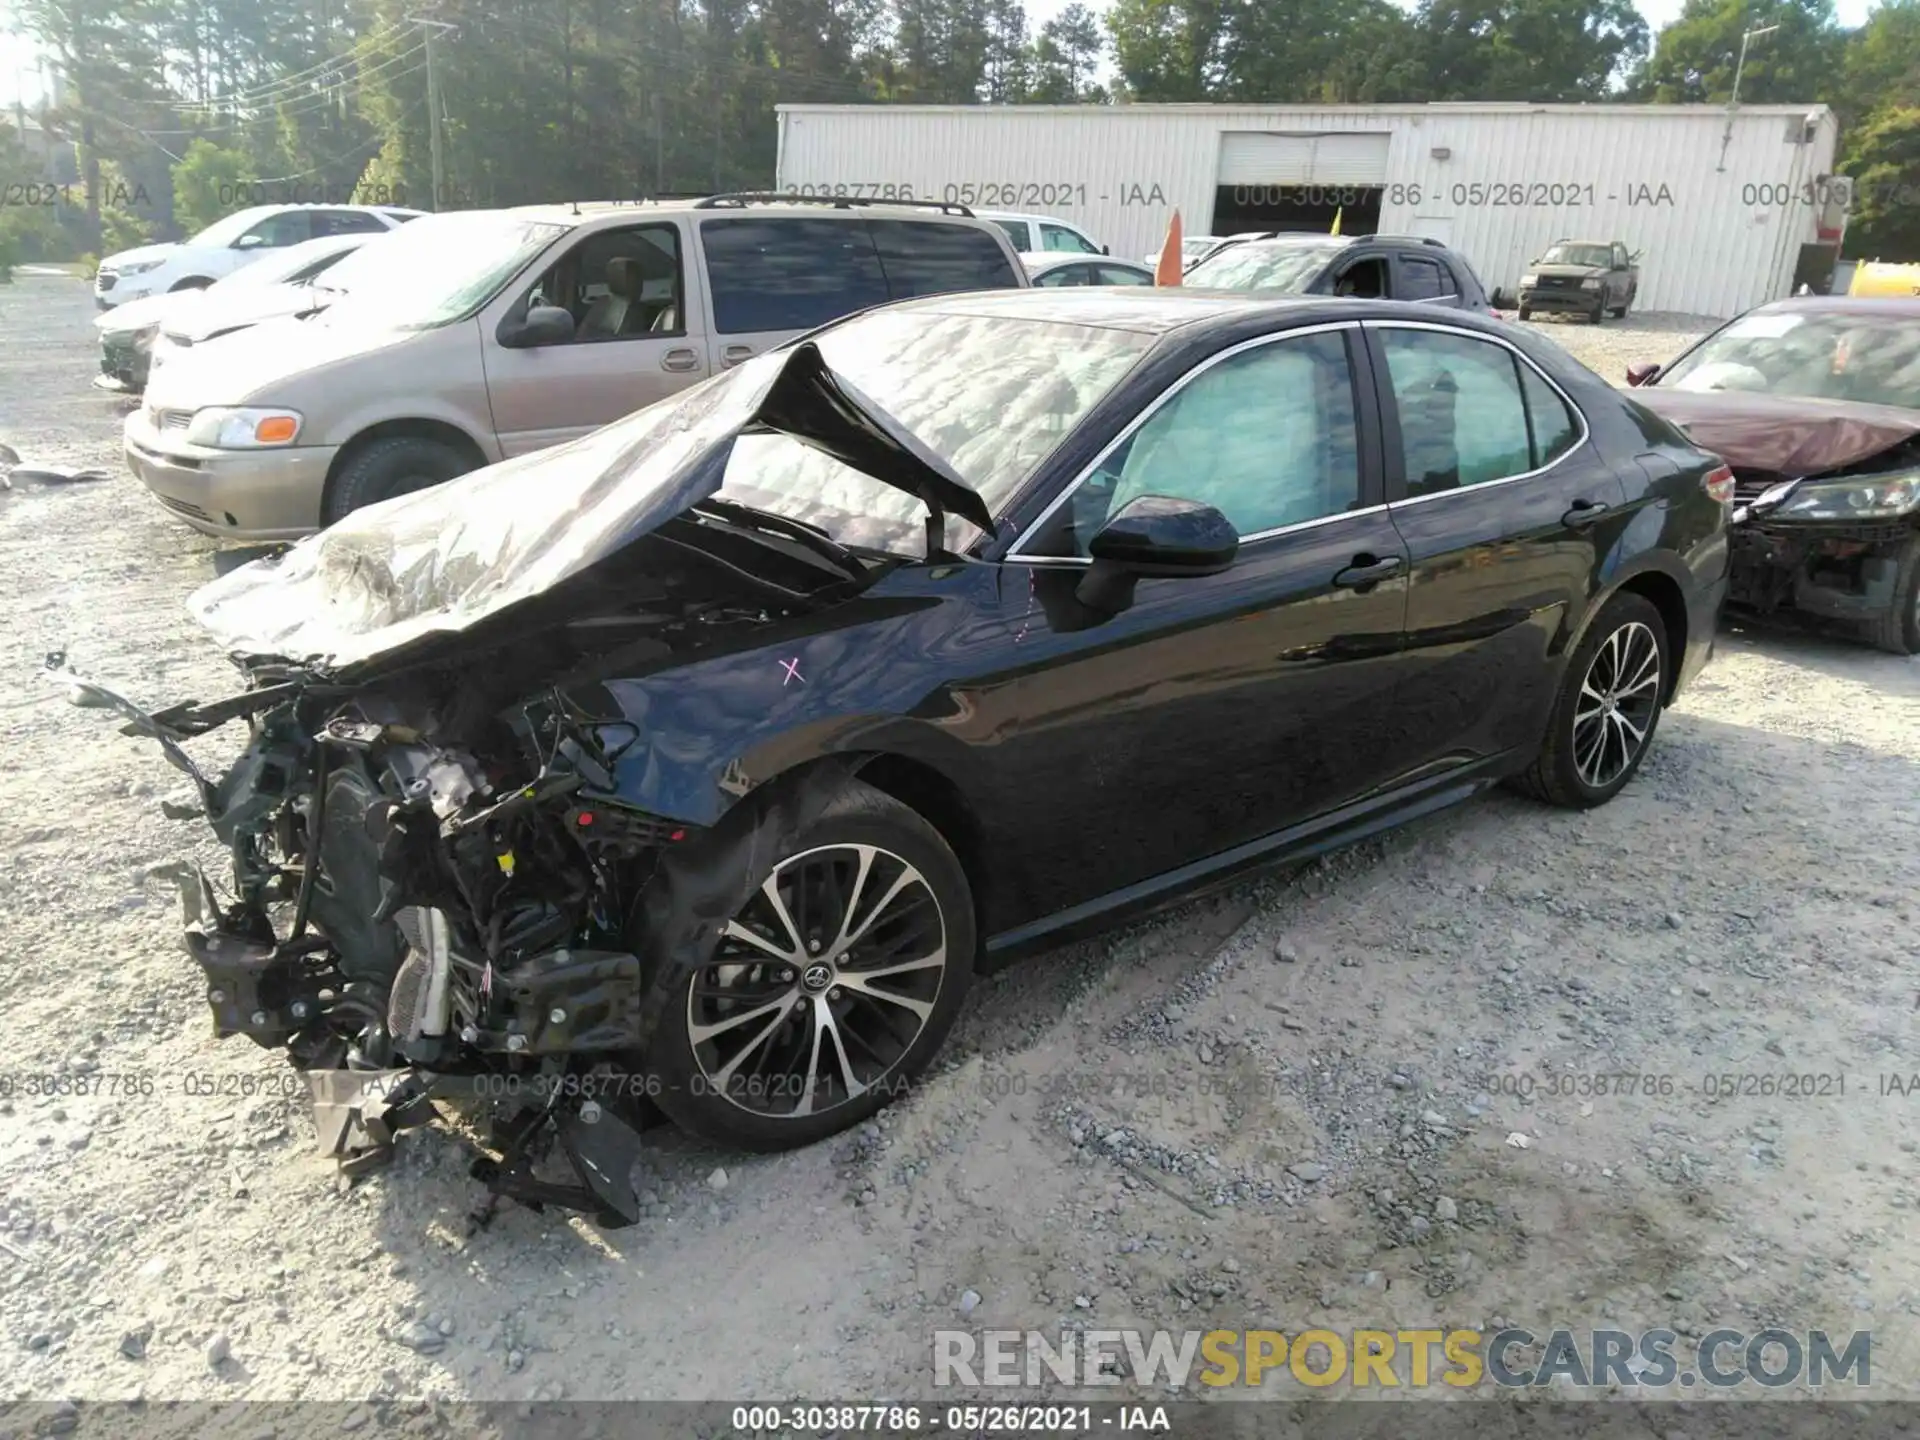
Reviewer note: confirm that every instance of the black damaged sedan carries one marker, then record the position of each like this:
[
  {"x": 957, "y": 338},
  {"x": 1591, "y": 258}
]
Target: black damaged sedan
[{"x": 700, "y": 764}]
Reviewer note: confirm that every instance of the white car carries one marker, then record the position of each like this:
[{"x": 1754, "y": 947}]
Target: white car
[
  {"x": 228, "y": 244},
  {"x": 1053, "y": 271},
  {"x": 135, "y": 336},
  {"x": 1042, "y": 234},
  {"x": 1193, "y": 249}
]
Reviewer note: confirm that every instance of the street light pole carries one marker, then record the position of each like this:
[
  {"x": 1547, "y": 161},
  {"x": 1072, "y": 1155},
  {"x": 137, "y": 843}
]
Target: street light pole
[
  {"x": 433, "y": 109},
  {"x": 1733, "y": 100}
]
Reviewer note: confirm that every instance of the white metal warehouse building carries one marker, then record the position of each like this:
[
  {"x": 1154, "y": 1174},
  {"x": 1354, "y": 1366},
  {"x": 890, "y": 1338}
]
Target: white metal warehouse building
[{"x": 1729, "y": 209}]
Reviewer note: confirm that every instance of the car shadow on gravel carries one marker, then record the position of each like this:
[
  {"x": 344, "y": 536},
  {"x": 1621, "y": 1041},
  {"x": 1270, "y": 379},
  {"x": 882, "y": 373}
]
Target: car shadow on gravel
[{"x": 1807, "y": 646}]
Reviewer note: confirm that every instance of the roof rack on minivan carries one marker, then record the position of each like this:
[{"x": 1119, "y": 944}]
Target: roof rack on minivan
[{"x": 839, "y": 202}]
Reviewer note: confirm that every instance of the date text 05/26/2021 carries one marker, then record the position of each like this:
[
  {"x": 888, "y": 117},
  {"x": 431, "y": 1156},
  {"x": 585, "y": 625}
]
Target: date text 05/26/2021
[{"x": 1569, "y": 193}]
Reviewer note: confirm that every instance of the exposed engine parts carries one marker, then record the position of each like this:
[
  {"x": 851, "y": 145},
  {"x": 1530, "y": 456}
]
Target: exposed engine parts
[{"x": 417, "y": 924}]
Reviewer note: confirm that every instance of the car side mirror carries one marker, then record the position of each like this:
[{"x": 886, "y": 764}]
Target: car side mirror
[
  {"x": 249, "y": 242},
  {"x": 543, "y": 325},
  {"x": 1642, "y": 372},
  {"x": 1106, "y": 249},
  {"x": 1155, "y": 536}
]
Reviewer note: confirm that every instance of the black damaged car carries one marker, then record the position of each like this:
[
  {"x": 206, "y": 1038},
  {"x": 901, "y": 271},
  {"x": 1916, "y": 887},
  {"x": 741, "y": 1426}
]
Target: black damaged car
[
  {"x": 701, "y": 763},
  {"x": 1815, "y": 404}
]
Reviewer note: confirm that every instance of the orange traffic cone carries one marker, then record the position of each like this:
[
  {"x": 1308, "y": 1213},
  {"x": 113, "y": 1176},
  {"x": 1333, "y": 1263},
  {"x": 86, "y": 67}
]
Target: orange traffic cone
[{"x": 1172, "y": 265}]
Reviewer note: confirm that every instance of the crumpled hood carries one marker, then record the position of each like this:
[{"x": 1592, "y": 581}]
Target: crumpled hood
[
  {"x": 247, "y": 366},
  {"x": 139, "y": 253},
  {"x": 1787, "y": 435},
  {"x": 444, "y": 559},
  {"x": 237, "y": 309},
  {"x": 153, "y": 310}
]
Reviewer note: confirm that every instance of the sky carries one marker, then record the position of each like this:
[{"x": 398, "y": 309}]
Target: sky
[{"x": 17, "y": 73}]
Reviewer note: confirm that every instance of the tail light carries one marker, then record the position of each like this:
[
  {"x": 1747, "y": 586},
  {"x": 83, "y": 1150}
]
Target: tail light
[{"x": 1719, "y": 483}]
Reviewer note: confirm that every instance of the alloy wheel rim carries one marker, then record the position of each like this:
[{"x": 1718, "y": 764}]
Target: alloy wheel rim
[
  {"x": 821, "y": 984},
  {"x": 1619, "y": 697}
]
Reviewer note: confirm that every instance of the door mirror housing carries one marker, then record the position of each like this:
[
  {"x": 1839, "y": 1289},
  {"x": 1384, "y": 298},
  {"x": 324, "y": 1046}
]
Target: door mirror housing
[
  {"x": 1155, "y": 536},
  {"x": 249, "y": 242},
  {"x": 543, "y": 325},
  {"x": 1642, "y": 372}
]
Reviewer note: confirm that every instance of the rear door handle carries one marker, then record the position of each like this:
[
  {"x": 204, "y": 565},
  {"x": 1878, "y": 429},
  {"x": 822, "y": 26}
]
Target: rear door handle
[
  {"x": 1583, "y": 513},
  {"x": 1366, "y": 570},
  {"x": 735, "y": 354},
  {"x": 680, "y": 360}
]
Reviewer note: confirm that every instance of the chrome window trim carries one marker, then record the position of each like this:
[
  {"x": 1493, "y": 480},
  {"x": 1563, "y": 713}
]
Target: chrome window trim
[
  {"x": 1014, "y": 552},
  {"x": 1586, "y": 430}
]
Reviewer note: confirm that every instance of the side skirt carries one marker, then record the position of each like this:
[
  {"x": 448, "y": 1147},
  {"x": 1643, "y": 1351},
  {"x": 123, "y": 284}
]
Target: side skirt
[{"x": 1333, "y": 831}]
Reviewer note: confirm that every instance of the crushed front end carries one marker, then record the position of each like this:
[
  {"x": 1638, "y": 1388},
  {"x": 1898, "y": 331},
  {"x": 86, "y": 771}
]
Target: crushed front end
[
  {"x": 415, "y": 920},
  {"x": 1837, "y": 549}
]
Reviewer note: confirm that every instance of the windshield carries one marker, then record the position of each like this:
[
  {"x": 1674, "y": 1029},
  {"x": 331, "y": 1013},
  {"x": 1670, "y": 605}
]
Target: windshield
[
  {"x": 282, "y": 265},
  {"x": 1594, "y": 257},
  {"x": 438, "y": 269},
  {"x": 1839, "y": 355},
  {"x": 1289, "y": 269},
  {"x": 990, "y": 395}
]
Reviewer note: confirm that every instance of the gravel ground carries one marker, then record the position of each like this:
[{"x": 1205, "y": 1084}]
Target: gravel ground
[{"x": 1291, "y": 1104}]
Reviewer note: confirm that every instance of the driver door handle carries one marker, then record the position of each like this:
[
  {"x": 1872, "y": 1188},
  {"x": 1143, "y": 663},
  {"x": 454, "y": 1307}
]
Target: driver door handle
[
  {"x": 681, "y": 359},
  {"x": 1582, "y": 513},
  {"x": 1367, "y": 570}
]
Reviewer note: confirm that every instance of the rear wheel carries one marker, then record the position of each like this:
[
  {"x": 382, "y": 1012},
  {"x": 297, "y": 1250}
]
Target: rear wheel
[
  {"x": 390, "y": 466},
  {"x": 843, "y": 966},
  {"x": 1898, "y": 630},
  {"x": 1607, "y": 710}
]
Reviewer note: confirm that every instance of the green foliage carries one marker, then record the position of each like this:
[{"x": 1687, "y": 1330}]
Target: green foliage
[
  {"x": 1696, "y": 56},
  {"x": 1883, "y": 157},
  {"x": 612, "y": 99},
  {"x": 206, "y": 182}
]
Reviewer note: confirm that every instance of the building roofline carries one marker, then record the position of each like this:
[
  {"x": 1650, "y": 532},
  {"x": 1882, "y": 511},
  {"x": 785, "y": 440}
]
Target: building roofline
[{"x": 1438, "y": 107}]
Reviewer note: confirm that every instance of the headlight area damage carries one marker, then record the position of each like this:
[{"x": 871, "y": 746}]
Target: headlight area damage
[
  {"x": 438, "y": 887},
  {"x": 1826, "y": 522}
]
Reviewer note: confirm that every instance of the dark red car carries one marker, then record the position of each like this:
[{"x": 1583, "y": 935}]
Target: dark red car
[{"x": 1815, "y": 403}]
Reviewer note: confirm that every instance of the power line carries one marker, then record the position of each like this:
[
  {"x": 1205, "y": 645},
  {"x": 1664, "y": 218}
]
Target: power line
[
  {"x": 231, "y": 105},
  {"x": 299, "y": 79}
]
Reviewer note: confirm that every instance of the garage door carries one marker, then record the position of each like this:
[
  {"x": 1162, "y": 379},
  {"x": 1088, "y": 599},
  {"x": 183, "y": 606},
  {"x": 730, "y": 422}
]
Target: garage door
[{"x": 1346, "y": 158}]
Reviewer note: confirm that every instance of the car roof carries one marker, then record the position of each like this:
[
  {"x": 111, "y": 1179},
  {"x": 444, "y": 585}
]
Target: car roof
[
  {"x": 1900, "y": 305},
  {"x": 1053, "y": 259},
  {"x": 583, "y": 212},
  {"x": 1160, "y": 310}
]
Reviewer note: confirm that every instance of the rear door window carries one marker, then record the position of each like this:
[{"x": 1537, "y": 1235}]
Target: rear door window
[
  {"x": 1019, "y": 233},
  {"x": 1065, "y": 275},
  {"x": 783, "y": 272},
  {"x": 1424, "y": 279},
  {"x": 347, "y": 222},
  {"x": 1059, "y": 237},
  {"x": 1120, "y": 275},
  {"x": 925, "y": 257}
]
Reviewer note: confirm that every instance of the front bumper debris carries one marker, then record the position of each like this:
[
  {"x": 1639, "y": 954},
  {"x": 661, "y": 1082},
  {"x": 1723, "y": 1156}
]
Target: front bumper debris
[{"x": 1836, "y": 571}]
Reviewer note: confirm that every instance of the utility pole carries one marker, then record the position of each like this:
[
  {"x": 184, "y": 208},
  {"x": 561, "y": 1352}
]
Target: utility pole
[
  {"x": 1733, "y": 100},
  {"x": 433, "y": 109}
]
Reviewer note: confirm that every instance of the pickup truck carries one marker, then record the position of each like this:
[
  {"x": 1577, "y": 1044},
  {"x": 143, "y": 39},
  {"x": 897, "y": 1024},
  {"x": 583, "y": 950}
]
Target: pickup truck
[{"x": 1581, "y": 277}]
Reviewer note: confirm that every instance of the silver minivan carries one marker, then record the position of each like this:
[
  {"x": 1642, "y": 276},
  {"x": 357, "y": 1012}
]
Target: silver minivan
[{"x": 485, "y": 334}]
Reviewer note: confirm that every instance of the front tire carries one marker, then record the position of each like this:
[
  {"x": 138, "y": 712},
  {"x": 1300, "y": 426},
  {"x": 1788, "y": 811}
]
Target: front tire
[
  {"x": 392, "y": 465},
  {"x": 1608, "y": 708},
  {"x": 1526, "y": 312},
  {"x": 192, "y": 282},
  {"x": 844, "y": 964},
  {"x": 1898, "y": 630}
]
